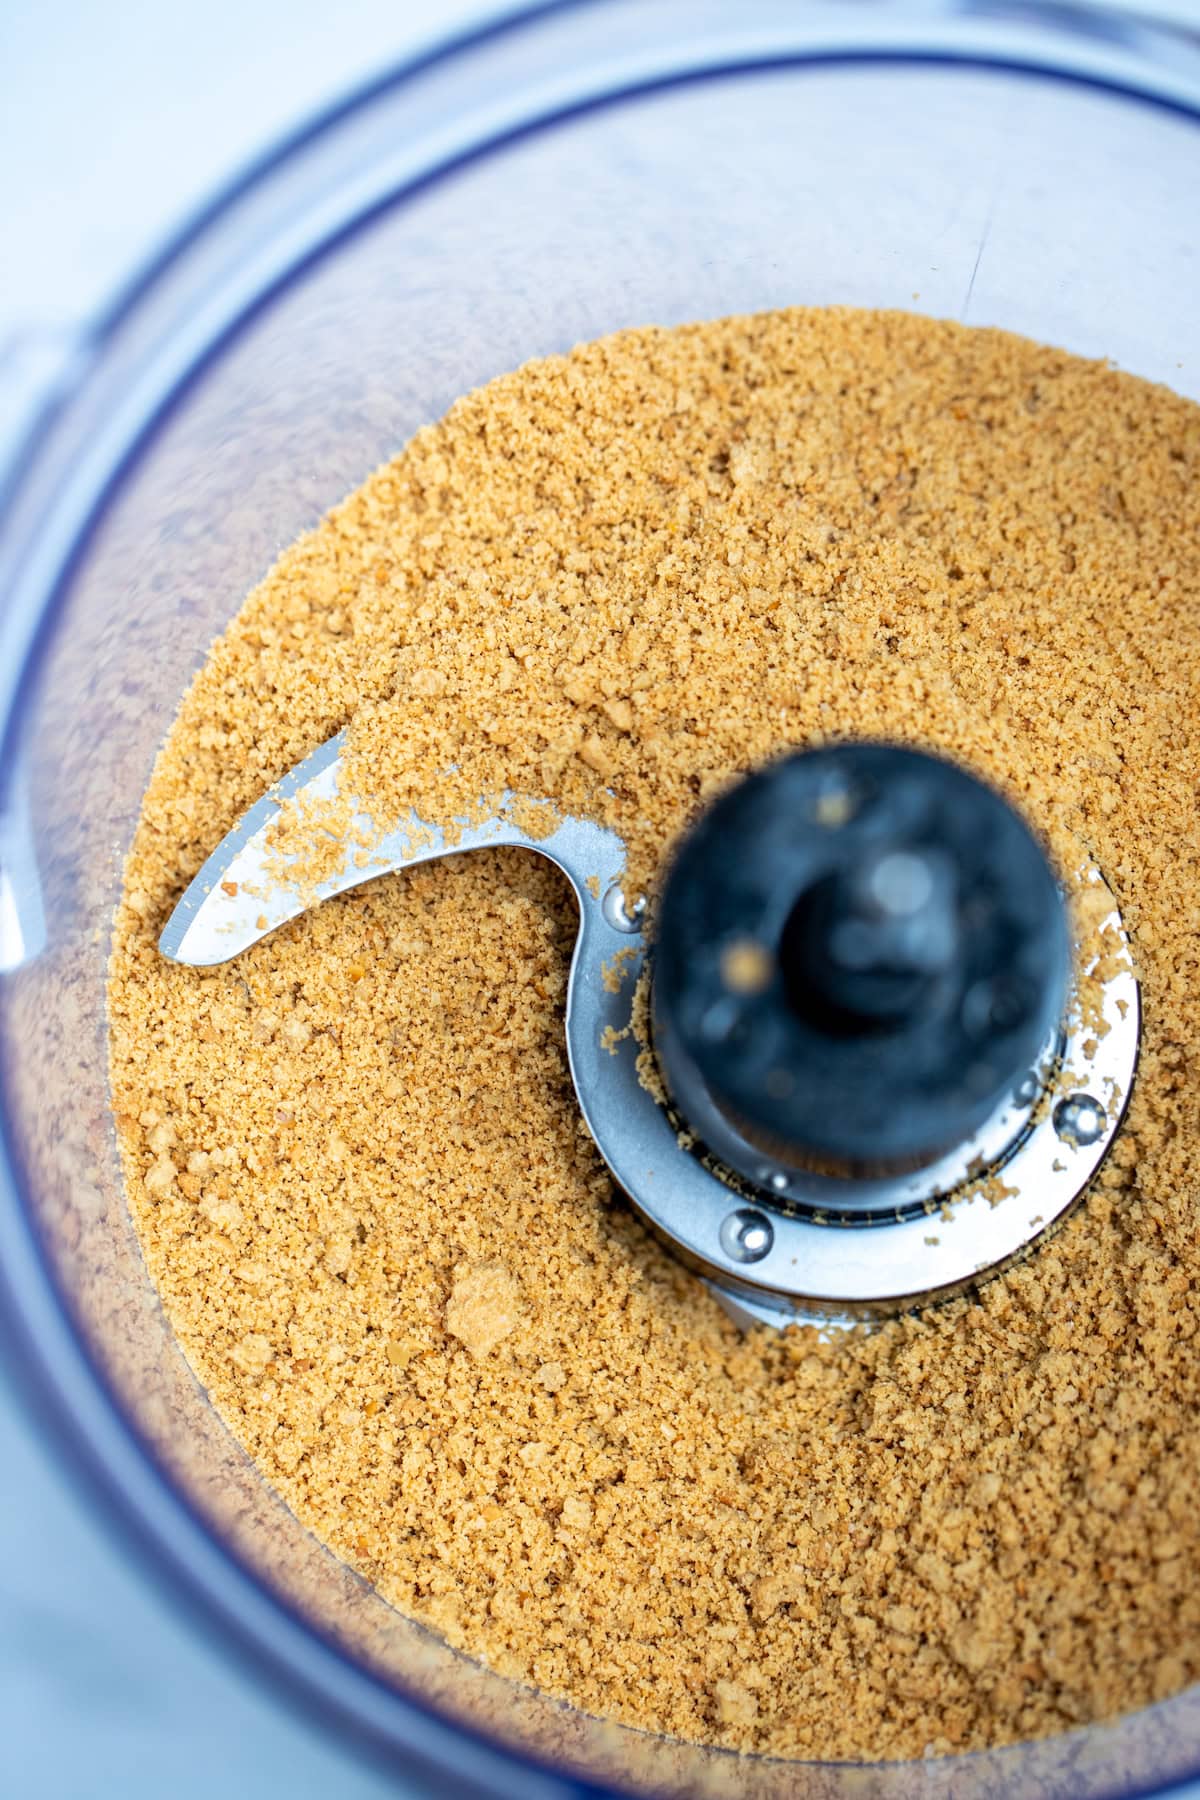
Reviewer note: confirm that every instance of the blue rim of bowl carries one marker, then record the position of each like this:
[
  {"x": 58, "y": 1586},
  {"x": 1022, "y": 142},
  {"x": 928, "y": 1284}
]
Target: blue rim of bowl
[{"x": 65, "y": 1384}]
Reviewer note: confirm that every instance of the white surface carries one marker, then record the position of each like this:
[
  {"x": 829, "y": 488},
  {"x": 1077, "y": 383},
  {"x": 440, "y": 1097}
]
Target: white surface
[{"x": 115, "y": 119}]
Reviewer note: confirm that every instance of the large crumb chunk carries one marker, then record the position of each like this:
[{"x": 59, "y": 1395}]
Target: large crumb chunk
[
  {"x": 735, "y": 1704},
  {"x": 484, "y": 1307}
]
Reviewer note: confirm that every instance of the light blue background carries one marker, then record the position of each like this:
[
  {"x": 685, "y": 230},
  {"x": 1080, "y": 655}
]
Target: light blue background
[{"x": 116, "y": 116}]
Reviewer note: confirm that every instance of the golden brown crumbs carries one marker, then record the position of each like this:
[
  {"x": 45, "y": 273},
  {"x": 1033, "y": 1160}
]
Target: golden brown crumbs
[{"x": 388, "y": 1247}]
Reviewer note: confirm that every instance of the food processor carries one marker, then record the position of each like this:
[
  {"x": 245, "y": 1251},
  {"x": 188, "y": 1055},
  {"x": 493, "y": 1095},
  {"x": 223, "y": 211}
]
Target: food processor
[{"x": 575, "y": 169}]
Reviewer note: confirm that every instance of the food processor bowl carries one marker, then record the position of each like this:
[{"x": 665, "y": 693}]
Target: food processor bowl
[{"x": 570, "y": 171}]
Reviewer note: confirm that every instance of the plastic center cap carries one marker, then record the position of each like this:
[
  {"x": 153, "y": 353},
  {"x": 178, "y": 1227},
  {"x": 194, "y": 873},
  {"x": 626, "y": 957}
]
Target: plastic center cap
[{"x": 859, "y": 950}]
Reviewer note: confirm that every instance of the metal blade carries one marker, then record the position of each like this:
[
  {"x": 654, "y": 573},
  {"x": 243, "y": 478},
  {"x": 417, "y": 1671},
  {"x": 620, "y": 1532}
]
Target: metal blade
[{"x": 243, "y": 891}]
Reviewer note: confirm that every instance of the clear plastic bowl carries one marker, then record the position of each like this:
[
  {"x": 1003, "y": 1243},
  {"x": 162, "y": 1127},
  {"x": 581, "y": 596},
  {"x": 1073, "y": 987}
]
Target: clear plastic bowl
[{"x": 580, "y": 168}]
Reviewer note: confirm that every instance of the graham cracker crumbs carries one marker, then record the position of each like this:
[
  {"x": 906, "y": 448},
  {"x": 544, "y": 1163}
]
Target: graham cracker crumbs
[
  {"x": 616, "y": 970},
  {"x": 536, "y": 818},
  {"x": 616, "y": 579}
]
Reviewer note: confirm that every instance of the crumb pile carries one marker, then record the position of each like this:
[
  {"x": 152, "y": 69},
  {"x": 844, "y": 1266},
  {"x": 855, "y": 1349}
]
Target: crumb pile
[{"x": 379, "y": 1228}]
